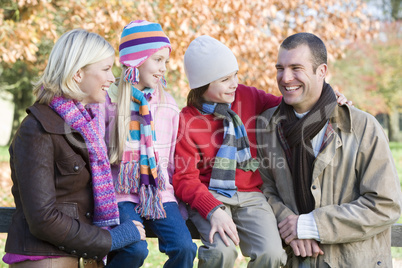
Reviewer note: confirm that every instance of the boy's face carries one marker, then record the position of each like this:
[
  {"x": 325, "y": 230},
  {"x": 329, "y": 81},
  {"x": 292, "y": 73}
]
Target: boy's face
[
  {"x": 300, "y": 86},
  {"x": 222, "y": 90}
]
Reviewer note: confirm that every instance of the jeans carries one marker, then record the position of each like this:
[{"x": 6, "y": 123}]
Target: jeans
[{"x": 173, "y": 237}]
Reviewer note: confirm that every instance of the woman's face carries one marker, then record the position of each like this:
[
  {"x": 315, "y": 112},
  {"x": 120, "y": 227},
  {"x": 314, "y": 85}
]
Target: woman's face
[
  {"x": 153, "y": 69},
  {"x": 222, "y": 90},
  {"x": 95, "y": 79}
]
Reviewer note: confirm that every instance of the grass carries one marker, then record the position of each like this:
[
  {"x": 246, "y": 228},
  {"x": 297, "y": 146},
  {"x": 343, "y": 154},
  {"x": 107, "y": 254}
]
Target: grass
[
  {"x": 4, "y": 156},
  {"x": 155, "y": 258}
]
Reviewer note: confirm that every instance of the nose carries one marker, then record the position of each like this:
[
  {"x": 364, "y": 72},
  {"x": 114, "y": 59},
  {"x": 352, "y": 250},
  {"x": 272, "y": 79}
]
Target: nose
[
  {"x": 111, "y": 77},
  {"x": 287, "y": 75},
  {"x": 235, "y": 82},
  {"x": 162, "y": 68}
]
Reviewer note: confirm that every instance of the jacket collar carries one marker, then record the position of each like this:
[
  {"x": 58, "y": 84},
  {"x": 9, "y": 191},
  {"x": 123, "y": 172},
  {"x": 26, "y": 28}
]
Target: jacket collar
[
  {"x": 49, "y": 119},
  {"x": 341, "y": 117}
]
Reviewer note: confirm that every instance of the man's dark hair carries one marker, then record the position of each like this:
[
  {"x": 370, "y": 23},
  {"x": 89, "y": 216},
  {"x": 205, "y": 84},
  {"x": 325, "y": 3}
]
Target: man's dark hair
[{"x": 315, "y": 44}]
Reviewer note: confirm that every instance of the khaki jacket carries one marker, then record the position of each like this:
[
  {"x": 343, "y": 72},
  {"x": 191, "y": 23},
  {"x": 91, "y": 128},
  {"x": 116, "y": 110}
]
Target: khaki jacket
[{"x": 355, "y": 186}]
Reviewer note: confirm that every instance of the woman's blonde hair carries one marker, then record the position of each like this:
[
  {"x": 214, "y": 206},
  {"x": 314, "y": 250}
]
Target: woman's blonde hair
[
  {"x": 120, "y": 131},
  {"x": 74, "y": 50}
]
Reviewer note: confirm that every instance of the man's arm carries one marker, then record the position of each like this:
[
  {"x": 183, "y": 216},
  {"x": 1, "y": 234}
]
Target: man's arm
[{"x": 372, "y": 177}]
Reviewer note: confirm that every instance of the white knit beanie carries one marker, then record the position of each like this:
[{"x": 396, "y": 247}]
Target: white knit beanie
[{"x": 206, "y": 60}]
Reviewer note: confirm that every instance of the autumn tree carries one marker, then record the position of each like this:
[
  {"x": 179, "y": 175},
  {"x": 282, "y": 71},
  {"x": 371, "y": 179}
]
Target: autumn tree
[
  {"x": 253, "y": 29},
  {"x": 370, "y": 74},
  {"x": 388, "y": 9}
]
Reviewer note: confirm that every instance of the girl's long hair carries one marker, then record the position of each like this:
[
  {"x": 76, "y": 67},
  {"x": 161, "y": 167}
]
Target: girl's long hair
[{"x": 120, "y": 131}]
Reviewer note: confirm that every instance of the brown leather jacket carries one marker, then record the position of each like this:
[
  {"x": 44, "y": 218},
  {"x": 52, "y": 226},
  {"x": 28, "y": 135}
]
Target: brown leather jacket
[{"x": 52, "y": 190}]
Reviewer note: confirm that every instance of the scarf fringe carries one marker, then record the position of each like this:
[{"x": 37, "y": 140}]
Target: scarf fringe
[
  {"x": 160, "y": 180},
  {"x": 150, "y": 206},
  {"x": 128, "y": 180}
]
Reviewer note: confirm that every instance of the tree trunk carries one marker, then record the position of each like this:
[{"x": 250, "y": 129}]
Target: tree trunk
[
  {"x": 393, "y": 126},
  {"x": 22, "y": 99}
]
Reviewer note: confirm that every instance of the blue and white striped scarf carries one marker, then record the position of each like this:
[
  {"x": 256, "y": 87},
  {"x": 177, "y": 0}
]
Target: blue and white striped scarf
[{"x": 234, "y": 152}]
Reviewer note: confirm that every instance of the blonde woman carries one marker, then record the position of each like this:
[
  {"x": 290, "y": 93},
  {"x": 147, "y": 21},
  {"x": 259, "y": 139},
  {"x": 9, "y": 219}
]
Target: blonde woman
[{"x": 62, "y": 184}]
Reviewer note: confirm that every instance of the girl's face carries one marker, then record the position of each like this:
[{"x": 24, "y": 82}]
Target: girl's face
[
  {"x": 153, "y": 69},
  {"x": 95, "y": 79},
  {"x": 222, "y": 90}
]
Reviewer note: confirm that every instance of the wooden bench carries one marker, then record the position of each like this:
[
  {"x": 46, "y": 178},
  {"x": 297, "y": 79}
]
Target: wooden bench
[{"x": 7, "y": 212}]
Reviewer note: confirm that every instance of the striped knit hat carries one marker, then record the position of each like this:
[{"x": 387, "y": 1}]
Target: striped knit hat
[{"x": 139, "y": 40}]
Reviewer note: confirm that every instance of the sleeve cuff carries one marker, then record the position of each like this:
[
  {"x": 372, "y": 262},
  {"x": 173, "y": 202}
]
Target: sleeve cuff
[
  {"x": 213, "y": 210},
  {"x": 124, "y": 235},
  {"x": 307, "y": 227}
]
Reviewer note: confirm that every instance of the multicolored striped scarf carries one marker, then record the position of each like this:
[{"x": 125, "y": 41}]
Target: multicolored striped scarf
[
  {"x": 90, "y": 124},
  {"x": 234, "y": 151},
  {"x": 139, "y": 169}
]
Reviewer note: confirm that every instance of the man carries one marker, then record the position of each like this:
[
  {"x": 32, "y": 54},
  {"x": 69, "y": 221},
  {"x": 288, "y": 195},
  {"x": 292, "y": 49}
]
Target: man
[{"x": 328, "y": 171}]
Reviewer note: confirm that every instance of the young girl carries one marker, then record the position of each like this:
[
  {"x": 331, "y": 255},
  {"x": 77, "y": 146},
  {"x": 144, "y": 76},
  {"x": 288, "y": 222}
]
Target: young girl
[
  {"x": 215, "y": 161},
  {"x": 143, "y": 122}
]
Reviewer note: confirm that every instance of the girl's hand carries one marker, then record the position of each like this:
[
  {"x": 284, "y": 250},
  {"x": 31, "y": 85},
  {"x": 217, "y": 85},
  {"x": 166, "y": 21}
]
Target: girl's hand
[{"x": 141, "y": 229}]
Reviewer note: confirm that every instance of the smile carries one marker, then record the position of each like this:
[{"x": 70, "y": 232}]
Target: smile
[{"x": 292, "y": 88}]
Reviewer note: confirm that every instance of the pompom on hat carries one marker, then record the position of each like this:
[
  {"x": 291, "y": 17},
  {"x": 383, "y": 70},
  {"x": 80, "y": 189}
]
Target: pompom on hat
[
  {"x": 139, "y": 40},
  {"x": 206, "y": 60}
]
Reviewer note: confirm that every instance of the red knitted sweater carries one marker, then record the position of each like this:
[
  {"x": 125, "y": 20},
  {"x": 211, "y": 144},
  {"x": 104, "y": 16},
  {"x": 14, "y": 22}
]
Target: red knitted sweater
[{"x": 199, "y": 139}]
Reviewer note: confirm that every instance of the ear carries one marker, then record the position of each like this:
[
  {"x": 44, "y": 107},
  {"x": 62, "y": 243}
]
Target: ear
[
  {"x": 322, "y": 71},
  {"x": 78, "y": 76}
]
